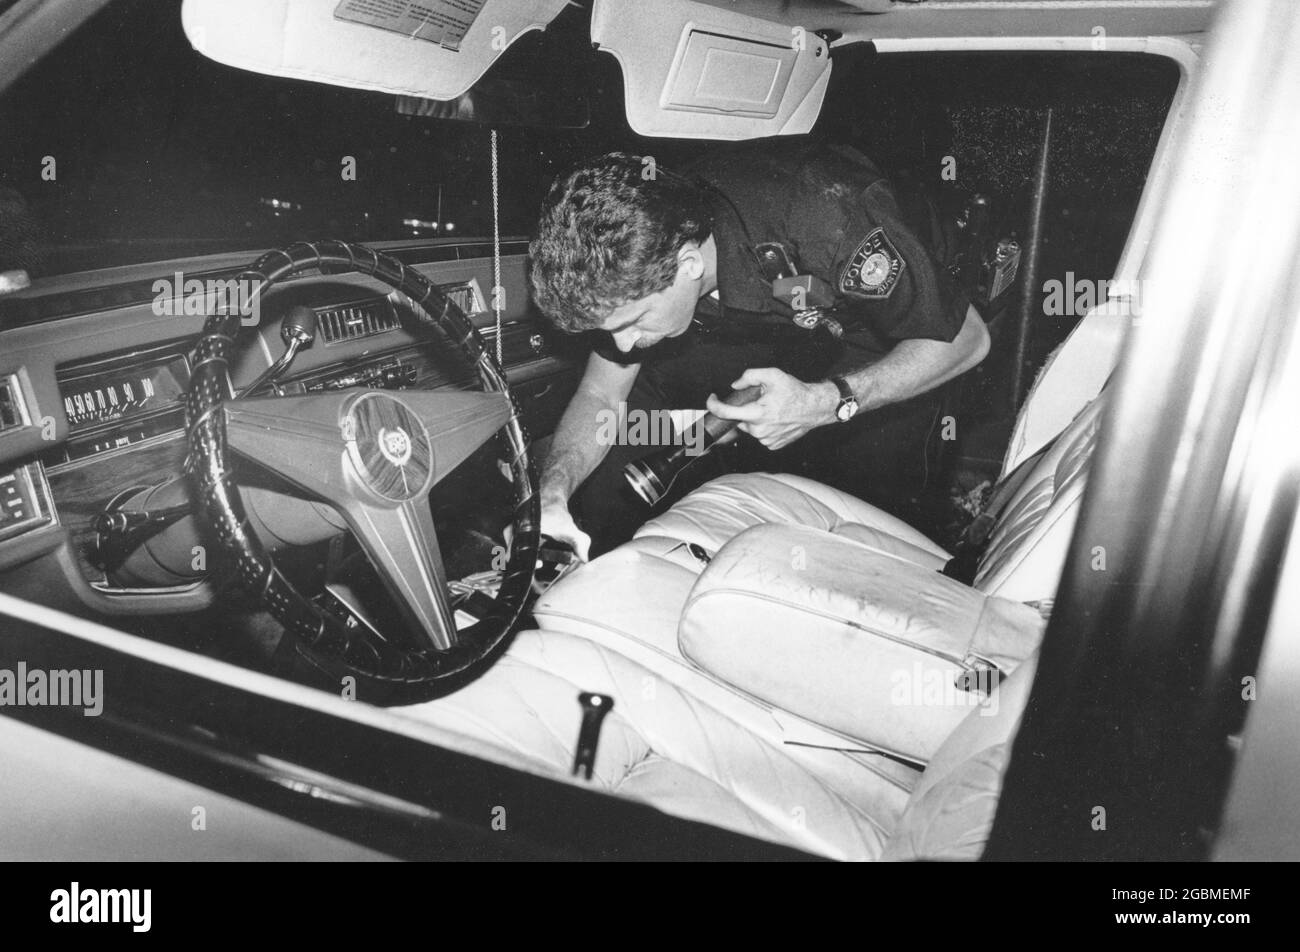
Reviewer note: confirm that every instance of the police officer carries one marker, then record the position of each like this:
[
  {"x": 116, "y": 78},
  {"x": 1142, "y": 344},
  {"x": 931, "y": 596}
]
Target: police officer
[{"x": 785, "y": 266}]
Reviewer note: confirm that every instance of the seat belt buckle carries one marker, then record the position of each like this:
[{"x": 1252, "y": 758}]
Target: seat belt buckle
[
  {"x": 594, "y": 708},
  {"x": 982, "y": 677}
]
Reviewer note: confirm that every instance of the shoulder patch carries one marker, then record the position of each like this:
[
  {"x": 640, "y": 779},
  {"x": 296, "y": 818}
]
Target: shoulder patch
[{"x": 874, "y": 268}]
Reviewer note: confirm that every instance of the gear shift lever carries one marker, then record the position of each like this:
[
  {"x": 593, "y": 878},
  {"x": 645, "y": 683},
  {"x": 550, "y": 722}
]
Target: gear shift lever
[{"x": 652, "y": 476}]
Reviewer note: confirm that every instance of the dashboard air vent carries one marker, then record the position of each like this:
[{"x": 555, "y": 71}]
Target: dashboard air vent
[
  {"x": 354, "y": 321},
  {"x": 12, "y": 414},
  {"x": 464, "y": 296}
]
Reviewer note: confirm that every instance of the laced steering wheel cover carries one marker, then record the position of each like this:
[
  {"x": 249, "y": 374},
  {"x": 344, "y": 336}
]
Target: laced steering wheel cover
[{"x": 317, "y": 647}]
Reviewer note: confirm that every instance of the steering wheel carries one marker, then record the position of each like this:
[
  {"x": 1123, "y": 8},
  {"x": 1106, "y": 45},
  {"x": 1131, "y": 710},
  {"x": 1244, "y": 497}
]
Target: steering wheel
[{"x": 372, "y": 455}]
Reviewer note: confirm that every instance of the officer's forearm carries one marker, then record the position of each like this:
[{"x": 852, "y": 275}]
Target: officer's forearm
[
  {"x": 575, "y": 451},
  {"x": 916, "y": 366}
]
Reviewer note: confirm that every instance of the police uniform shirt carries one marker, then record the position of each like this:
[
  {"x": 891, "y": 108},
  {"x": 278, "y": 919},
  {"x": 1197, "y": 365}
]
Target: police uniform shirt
[{"x": 838, "y": 218}]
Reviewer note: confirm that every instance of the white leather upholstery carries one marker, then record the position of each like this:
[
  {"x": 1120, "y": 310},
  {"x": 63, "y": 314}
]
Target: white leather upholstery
[
  {"x": 652, "y": 577},
  {"x": 1026, "y": 551},
  {"x": 631, "y": 601},
  {"x": 1072, "y": 376},
  {"x": 721, "y": 509},
  {"x": 661, "y": 744},
  {"x": 950, "y": 813},
  {"x": 778, "y": 761},
  {"x": 1023, "y": 560},
  {"x": 667, "y": 746},
  {"x": 866, "y": 643}
]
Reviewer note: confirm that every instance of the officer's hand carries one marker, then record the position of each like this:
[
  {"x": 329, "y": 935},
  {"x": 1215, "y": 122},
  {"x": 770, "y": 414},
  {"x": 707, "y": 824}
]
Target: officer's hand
[
  {"x": 557, "y": 522},
  {"x": 787, "y": 410}
]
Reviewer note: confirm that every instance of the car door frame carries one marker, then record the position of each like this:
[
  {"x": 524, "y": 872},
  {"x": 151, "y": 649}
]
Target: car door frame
[{"x": 1144, "y": 695}]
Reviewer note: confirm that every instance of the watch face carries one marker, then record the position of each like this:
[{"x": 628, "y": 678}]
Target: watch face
[{"x": 846, "y": 410}]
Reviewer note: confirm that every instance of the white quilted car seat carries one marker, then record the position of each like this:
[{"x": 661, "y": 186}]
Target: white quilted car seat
[
  {"x": 665, "y": 745},
  {"x": 753, "y": 638},
  {"x": 786, "y": 554}
]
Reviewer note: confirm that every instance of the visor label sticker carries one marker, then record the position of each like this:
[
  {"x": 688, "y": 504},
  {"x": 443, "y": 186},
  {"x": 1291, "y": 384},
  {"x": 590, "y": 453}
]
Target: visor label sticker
[{"x": 444, "y": 22}]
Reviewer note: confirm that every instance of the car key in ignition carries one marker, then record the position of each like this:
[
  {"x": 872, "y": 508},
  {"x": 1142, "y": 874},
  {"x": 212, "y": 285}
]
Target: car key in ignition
[{"x": 555, "y": 559}]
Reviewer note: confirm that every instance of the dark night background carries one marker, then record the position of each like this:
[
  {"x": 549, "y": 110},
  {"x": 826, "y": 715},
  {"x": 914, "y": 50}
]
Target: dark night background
[{"x": 162, "y": 152}]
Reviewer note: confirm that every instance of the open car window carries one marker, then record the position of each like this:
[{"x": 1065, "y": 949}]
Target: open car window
[{"x": 126, "y": 145}]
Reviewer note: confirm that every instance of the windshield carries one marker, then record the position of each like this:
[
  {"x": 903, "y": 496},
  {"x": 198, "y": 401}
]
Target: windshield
[{"x": 124, "y": 145}]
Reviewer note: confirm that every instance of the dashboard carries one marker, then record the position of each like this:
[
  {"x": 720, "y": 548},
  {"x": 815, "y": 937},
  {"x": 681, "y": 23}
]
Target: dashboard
[{"x": 91, "y": 402}]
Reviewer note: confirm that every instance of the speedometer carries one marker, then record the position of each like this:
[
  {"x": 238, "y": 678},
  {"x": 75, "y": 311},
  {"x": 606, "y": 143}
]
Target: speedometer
[
  {"x": 119, "y": 400},
  {"x": 108, "y": 397}
]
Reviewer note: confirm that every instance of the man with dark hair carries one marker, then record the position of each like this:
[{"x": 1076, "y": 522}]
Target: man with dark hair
[{"x": 674, "y": 278}]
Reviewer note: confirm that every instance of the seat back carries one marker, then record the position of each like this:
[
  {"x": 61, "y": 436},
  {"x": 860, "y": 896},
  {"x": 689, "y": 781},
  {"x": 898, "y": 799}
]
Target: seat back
[
  {"x": 1027, "y": 547},
  {"x": 1074, "y": 374}
]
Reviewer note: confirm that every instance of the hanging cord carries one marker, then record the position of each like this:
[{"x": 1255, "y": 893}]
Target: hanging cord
[{"x": 497, "y": 291}]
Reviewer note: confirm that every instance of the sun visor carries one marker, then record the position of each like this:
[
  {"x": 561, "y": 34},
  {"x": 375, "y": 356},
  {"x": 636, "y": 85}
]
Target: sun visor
[
  {"x": 700, "y": 72},
  {"x": 435, "y": 49}
]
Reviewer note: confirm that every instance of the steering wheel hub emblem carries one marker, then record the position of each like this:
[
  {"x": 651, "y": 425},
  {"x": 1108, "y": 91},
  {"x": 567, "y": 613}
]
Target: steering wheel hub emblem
[
  {"x": 390, "y": 452},
  {"x": 395, "y": 445}
]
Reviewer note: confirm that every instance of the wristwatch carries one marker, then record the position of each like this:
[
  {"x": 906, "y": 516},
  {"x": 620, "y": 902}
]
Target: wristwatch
[{"x": 848, "y": 405}]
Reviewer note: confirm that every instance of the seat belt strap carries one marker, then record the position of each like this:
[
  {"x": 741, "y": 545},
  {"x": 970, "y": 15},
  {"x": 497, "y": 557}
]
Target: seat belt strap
[
  {"x": 964, "y": 565},
  {"x": 981, "y": 527}
]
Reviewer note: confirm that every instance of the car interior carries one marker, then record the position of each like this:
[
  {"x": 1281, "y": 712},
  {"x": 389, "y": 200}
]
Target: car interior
[{"x": 784, "y": 660}]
